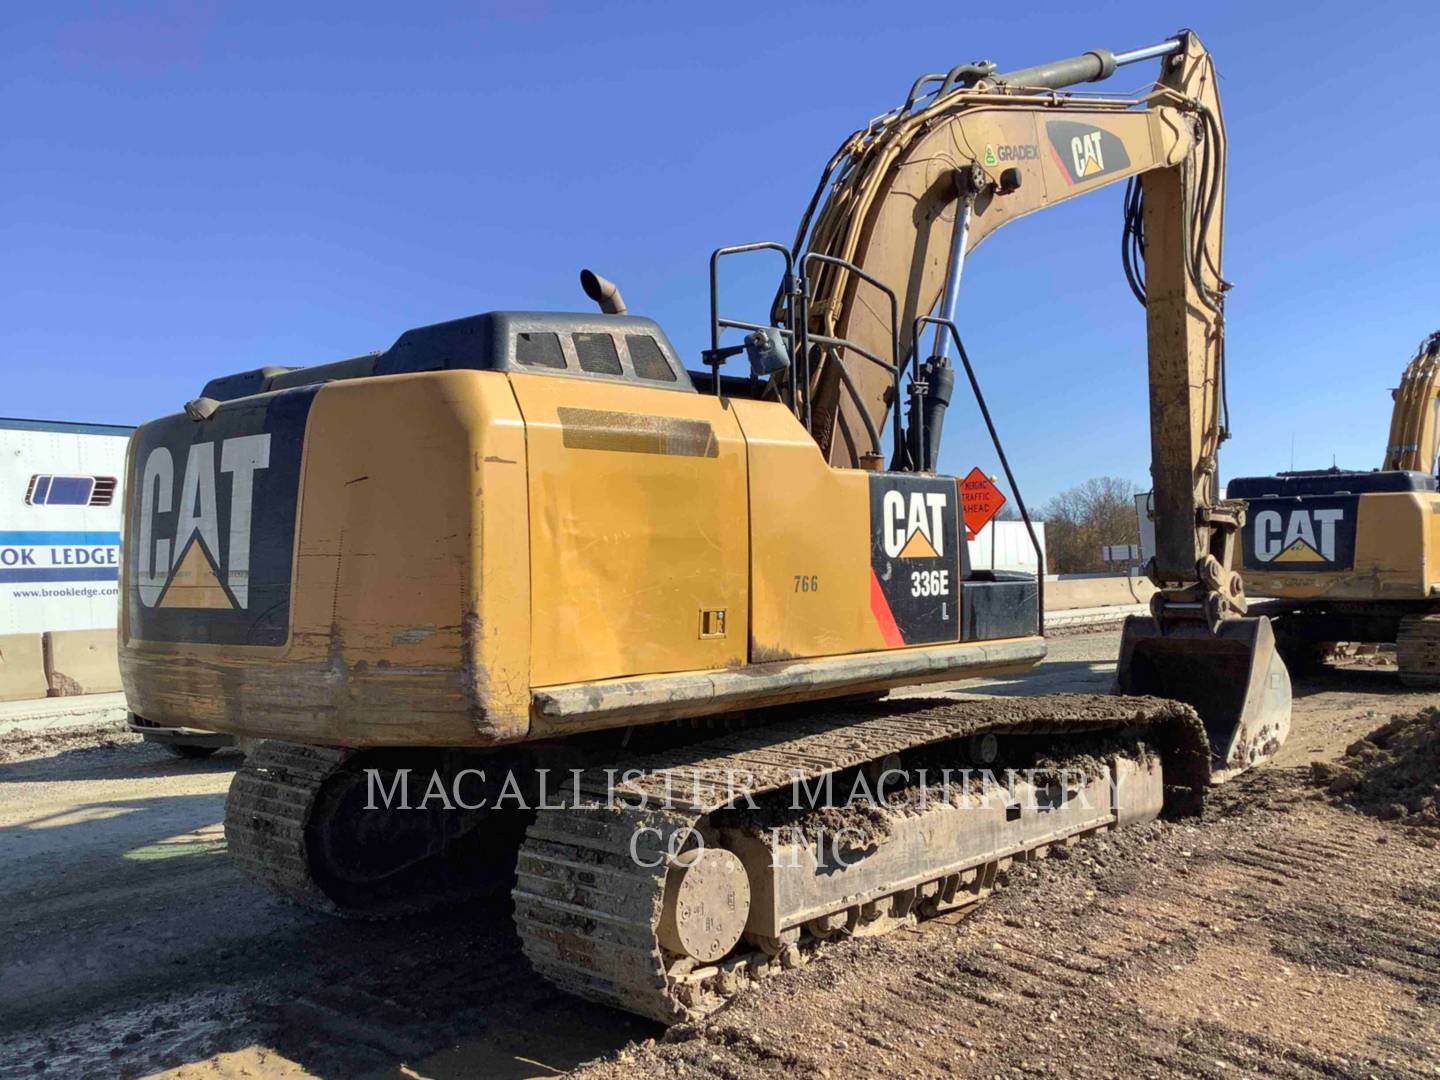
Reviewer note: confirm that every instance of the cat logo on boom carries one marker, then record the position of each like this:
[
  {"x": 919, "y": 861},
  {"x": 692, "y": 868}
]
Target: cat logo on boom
[
  {"x": 1087, "y": 154},
  {"x": 1084, "y": 152}
]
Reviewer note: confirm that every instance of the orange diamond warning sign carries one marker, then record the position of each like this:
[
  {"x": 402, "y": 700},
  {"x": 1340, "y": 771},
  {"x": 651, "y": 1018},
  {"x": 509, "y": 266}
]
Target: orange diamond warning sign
[{"x": 980, "y": 499}]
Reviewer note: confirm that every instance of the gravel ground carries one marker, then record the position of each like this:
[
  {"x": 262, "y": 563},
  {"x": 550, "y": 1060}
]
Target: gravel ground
[{"x": 1281, "y": 935}]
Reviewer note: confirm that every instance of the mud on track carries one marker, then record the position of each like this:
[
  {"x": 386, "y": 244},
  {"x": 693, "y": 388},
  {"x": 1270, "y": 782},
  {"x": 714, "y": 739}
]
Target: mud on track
[{"x": 1280, "y": 936}]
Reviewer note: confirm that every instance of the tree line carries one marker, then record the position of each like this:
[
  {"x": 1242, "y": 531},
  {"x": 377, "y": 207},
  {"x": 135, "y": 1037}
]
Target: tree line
[{"x": 1082, "y": 520}]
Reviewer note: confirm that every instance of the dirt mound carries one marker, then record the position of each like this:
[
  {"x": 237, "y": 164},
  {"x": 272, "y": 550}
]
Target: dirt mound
[{"x": 1393, "y": 773}]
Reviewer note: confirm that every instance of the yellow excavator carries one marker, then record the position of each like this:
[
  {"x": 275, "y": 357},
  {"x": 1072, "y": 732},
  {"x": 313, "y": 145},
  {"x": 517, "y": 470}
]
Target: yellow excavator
[
  {"x": 1355, "y": 556},
  {"x": 522, "y": 603}
]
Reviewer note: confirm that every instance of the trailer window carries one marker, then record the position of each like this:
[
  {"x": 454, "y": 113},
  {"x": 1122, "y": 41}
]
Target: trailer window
[{"x": 48, "y": 490}]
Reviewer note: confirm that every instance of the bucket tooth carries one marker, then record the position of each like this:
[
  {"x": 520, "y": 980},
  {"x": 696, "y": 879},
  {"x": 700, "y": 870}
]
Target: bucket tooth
[{"x": 1234, "y": 678}]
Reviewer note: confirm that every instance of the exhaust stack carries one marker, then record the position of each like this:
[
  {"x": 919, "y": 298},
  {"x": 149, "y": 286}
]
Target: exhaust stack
[{"x": 604, "y": 292}]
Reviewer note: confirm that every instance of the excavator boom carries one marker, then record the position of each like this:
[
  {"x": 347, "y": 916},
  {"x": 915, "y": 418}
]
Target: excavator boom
[
  {"x": 1415, "y": 422},
  {"x": 907, "y": 197}
]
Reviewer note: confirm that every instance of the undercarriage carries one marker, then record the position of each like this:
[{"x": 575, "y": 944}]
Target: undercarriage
[
  {"x": 1305, "y": 631},
  {"x": 664, "y": 884}
]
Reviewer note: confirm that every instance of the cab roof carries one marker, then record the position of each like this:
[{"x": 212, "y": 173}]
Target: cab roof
[{"x": 613, "y": 348}]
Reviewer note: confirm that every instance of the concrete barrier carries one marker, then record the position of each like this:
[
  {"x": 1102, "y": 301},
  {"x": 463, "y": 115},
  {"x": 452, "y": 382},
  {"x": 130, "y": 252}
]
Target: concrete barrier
[
  {"x": 1066, "y": 591},
  {"x": 81, "y": 662},
  {"x": 22, "y": 667},
  {"x": 64, "y": 663}
]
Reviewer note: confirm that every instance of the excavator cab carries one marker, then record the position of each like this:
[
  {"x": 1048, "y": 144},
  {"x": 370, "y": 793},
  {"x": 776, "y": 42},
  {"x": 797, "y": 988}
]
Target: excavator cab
[{"x": 1231, "y": 674}]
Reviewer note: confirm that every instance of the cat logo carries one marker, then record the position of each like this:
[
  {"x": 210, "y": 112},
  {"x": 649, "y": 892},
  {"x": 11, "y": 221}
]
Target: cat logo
[
  {"x": 915, "y": 558},
  {"x": 185, "y": 571},
  {"x": 210, "y": 522},
  {"x": 1312, "y": 533},
  {"x": 1084, "y": 152},
  {"x": 1308, "y": 538},
  {"x": 914, "y": 523},
  {"x": 1087, "y": 154}
]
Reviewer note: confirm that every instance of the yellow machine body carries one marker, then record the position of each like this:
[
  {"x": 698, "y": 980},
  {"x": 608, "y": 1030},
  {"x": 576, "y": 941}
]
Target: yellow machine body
[
  {"x": 1355, "y": 556},
  {"x": 1396, "y": 552},
  {"x": 482, "y": 536},
  {"x": 485, "y": 557},
  {"x": 526, "y": 527},
  {"x": 1331, "y": 534}
]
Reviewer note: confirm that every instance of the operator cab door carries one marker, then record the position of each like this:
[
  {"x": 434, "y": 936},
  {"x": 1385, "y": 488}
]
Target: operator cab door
[{"x": 639, "y": 530}]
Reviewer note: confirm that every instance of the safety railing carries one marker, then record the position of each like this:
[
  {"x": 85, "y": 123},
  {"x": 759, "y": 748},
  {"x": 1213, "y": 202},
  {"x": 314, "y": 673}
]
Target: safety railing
[
  {"x": 801, "y": 340},
  {"x": 715, "y": 357},
  {"x": 794, "y": 293},
  {"x": 949, "y": 326}
]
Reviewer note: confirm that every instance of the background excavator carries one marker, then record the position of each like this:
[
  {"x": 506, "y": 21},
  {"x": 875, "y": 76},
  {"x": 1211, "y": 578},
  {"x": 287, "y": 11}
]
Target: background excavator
[
  {"x": 1355, "y": 556},
  {"x": 521, "y": 545}
]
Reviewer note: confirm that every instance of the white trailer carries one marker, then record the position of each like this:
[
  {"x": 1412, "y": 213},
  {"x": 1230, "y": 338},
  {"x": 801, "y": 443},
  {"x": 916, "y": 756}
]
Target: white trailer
[
  {"x": 1145, "y": 515},
  {"x": 60, "y": 512},
  {"x": 61, "y": 508},
  {"x": 1005, "y": 545}
]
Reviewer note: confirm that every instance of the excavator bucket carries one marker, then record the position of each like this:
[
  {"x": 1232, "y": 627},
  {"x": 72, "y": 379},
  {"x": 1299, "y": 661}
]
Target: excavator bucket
[{"x": 1234, "y": 678}]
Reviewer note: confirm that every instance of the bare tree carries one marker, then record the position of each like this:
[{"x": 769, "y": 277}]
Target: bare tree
[{"x": 1080, "y": 521}]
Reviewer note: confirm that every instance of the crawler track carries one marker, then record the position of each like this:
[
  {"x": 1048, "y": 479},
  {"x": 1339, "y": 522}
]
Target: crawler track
[
  {"x": 1417, "y": 651},
  {"x": 267, "y": 813},
  {"x": 297, "y": 822},
  {"x": 588, "y": 908}
]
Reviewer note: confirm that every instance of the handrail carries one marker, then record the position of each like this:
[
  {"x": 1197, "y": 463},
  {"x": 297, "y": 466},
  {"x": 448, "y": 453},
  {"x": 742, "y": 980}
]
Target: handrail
[
  {"x": 714, "y": 357},
  {"x": 948, "y": 324},
  {"x": 796, "y": 292},
  {"x": 893, "y": 366}
]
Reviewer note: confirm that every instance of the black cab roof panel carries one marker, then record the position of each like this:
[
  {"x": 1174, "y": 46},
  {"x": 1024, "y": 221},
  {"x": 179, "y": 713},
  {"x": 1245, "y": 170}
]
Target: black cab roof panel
[
  {"x": 614, "y": 348},
  {"x": 1327, "y": 482}
]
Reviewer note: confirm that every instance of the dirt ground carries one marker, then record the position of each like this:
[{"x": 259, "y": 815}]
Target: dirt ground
[{"x": 1279, "y": 936}]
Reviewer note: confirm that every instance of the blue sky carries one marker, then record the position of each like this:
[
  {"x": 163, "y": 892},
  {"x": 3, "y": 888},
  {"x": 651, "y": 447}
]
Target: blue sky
[{"x": 195, "y": 189}]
